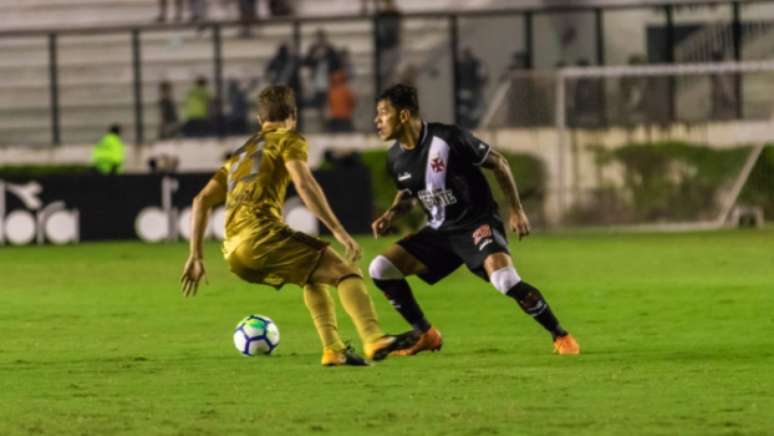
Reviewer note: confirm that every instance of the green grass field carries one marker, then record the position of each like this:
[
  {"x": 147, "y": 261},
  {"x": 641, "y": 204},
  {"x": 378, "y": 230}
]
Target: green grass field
[{"x": 676, "y": 331}]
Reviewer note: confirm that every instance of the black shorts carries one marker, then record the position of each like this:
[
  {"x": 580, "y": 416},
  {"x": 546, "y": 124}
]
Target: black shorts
[{"x": 442, "y": 252}]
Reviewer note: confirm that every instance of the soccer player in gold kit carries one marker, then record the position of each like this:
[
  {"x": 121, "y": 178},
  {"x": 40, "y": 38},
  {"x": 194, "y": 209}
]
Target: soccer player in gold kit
[{"x": 260, "y": 248}]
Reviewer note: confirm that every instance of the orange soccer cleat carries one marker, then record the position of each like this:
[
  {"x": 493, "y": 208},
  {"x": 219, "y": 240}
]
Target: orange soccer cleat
[
  {"x": 429, "y": 340},
  {"x": 382, "y": 347},
  {"x": 566, "y": 345}
]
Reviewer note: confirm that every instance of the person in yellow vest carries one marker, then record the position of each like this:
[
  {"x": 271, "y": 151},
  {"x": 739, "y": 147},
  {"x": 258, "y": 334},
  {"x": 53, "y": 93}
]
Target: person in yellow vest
[
  {"x": 108, "y": 155},
  {"x": 196, "y": 109}
]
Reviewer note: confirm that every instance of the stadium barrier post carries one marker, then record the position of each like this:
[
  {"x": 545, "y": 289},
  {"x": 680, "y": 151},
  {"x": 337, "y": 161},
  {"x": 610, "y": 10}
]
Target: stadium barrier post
[
  {"x": 454, "y": 47},
  {"x": 217, "y": 47},
  {"x": 139, "y": 134},
  {"x": 53, "y": 78}
]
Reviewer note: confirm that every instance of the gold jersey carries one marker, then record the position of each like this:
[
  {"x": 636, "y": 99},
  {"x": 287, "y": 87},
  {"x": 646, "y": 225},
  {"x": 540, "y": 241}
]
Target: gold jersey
[{"x": 256, "y": 181}]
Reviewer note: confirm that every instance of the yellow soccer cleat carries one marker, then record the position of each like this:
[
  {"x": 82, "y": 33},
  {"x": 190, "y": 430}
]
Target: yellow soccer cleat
[
  {"x": 382, "y": 347},
  {"x": 566, "y": 345},
  {"x": 429, "y": 340},
  {"x": 347, "y": 356}
]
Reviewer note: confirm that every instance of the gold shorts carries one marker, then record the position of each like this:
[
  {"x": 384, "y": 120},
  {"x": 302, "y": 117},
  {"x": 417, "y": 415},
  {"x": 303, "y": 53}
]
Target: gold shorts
[{"x": 285, "y": 256}]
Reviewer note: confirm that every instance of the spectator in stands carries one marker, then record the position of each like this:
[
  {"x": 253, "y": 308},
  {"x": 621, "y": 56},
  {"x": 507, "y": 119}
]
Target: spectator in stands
[
  {"x": 631, "y": 91},
  {"x": 283, "y": 69},
  {"x": 197, "y": 109},
  {"x": 472, "y": 78},
  {"x": 341, "y": 103},
  {"x": 280, "y": 8},
  {"x": 163, "y": 10},
  {"x": 388, "y": 37},
  {"x": 198, "y": 10},
  {"x": 107, "y": 156},
  {"x": 723, "y": 97},
  {"x": 247, "y": 16},
  {"x": 321, "y": 59},
  {"x": 236, "y": 115},
  {"x": 169, "y": 124}
]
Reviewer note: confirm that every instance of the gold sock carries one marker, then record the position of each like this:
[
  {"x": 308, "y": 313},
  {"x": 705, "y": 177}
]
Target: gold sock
[
  {"x": 356, "y": 301},
  {"x": 320, "y": 304}
]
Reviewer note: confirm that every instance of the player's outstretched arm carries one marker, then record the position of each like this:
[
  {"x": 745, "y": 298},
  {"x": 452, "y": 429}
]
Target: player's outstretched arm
[
  {"x": 213, "y": 194},
  {"x": 402, "y": 203},
  {"x": 517, "y": 220},
  {"x": 314, "y": 198}
]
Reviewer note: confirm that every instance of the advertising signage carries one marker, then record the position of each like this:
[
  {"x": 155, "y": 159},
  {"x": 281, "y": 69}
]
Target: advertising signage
[{"x": 153, "y": 208}]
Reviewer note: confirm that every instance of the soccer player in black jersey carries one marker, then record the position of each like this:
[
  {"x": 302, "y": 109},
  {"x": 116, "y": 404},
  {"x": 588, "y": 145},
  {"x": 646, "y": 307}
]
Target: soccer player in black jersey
[{"x": 439, "y": 166}]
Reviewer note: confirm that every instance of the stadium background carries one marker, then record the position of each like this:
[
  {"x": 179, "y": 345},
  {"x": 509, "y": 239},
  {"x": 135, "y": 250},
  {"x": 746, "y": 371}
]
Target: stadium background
[
  {"x": 673, "y": 317},
  {"x": 71, "y": 69}
]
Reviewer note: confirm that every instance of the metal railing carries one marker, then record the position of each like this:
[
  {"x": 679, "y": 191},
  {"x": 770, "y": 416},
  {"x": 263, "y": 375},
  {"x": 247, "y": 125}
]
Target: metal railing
[{"x": 734, "y": 35}]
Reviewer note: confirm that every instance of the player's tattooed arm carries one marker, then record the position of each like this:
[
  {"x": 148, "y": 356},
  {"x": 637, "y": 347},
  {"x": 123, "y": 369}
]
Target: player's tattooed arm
[
  {"x": 517, "y": 221},
  {"x": 402, "y": 204}
]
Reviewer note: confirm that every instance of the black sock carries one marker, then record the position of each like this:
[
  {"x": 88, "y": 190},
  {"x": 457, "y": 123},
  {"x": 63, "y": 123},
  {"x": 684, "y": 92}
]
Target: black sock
[
  {"x": 402, "y": 299},
  {"x": 533, "y": 303}
]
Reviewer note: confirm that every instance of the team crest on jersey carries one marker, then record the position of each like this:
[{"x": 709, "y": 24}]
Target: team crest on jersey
[
  {"x": 437, "y": 164},
  {"x": 483, "y": 236}
]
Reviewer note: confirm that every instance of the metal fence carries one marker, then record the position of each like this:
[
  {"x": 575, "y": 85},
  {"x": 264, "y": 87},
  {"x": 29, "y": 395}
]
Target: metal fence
[{"x": 63, "y": 86}]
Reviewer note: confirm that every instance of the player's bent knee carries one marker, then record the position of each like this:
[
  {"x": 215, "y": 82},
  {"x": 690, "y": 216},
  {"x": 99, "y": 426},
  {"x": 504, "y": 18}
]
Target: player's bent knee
[
  {"x": 504, "y": 279},
  {"x": 382, "y": 269}
]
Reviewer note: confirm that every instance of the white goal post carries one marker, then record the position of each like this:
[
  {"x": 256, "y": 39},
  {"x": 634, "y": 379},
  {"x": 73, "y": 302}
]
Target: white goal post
[{"x": 557, "y": 95}]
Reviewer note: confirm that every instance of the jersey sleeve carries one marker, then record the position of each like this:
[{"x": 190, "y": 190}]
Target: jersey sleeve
[
  {"x": 473, "y": 149},
  {"x": 390, "y": 167},
  {"x": 295, "y": 148}
]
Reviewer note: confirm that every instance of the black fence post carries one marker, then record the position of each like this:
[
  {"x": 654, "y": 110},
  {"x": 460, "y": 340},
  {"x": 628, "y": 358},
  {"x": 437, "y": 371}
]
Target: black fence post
[
  {"x": 599, "y": 27},
  {"x": 528, "y": 41},
  {"x": 377, "y": 64},
  {"x": 299, "y": 56},
  {"x": 737, "y": 35},
  {"x": 529, "y": 64},
  {"x": 217, "y": 46},
  {"x": 139, "y": 124},
  {"x": 670, "y": 55},
  {"x": 454, "y": 47},
  {"x": 53, "y": 80}
]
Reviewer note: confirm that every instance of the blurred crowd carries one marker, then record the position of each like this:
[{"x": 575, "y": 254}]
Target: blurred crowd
[
  {"x": 322, "y": 75},
  {"x": 321, "y": 79}
]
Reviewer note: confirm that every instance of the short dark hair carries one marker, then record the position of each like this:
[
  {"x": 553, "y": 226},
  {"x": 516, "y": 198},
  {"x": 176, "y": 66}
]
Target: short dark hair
[
  {"x": 402, "y": 97},
  {"x": 276, "y": 103},
  {"x": 115, "y": 128}
]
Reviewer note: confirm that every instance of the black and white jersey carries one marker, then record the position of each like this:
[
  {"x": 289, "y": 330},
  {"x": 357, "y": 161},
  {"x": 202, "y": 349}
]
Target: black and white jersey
[{"x": 443, "y": 172}]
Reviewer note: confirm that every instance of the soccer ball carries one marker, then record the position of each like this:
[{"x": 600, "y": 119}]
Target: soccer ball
[{"x": 256, "y": 335}]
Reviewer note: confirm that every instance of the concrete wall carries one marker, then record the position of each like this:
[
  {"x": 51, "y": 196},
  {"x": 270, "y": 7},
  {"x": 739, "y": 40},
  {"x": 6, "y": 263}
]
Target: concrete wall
[{"x": 570, "y": 164}]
